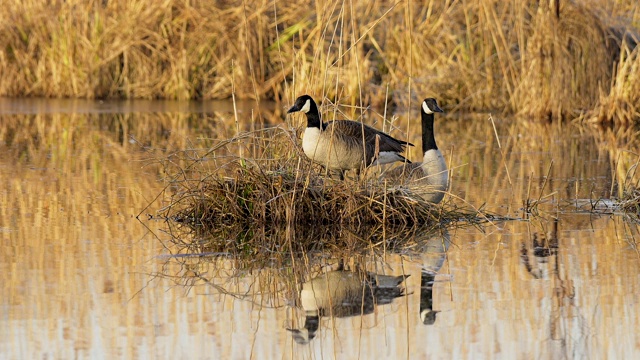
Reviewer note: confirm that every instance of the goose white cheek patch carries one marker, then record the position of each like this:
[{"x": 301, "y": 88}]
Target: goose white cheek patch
[
  {"x": 306, "y": 107},
  {"x": 425, "y": 108}
]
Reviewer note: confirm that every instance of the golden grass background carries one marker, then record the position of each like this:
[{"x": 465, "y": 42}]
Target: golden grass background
[{"x": 542, "y": 59}]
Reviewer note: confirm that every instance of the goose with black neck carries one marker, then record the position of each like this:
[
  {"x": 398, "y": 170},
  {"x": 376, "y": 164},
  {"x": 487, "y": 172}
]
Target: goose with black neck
[
  {"x": 342, "y": 145},
  {"x": 429, "y": 178}
]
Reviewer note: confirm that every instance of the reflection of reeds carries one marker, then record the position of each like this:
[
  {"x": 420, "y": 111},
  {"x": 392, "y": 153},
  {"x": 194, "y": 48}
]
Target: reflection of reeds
[
  {"x": 547, "y": 59},
  {"x": 620, "y": 144},
  {"x": 68, "y": 188},
  {"x": 53, "y": 139},
  {"x": 629, "y": 190}
]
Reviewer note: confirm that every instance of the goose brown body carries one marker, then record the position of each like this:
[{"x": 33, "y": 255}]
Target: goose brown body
[{"x": 345, "y": 144}]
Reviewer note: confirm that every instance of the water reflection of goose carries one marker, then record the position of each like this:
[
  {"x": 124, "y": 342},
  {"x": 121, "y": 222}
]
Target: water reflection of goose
[
  {"x": 344, "y": 144},
  {"x": 341, "y": 294},
  {"x": 543, "y": 247},
  {"x": 429, "y": 178},
  {"x": 546, "y": 263},
  {"x": 433, "y": 250}
]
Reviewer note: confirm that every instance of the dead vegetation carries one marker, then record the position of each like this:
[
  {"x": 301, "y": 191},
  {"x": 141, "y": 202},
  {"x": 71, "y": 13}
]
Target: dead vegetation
[
  {"x": 277, "y": 186},
  {"x": 541, "y": 59},
  {"x": 622, "y": 104}
]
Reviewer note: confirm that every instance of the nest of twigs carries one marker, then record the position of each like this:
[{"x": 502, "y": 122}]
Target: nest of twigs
[
  {"x": 279, "y": 186},
  {"x": 255, "y": 196}
]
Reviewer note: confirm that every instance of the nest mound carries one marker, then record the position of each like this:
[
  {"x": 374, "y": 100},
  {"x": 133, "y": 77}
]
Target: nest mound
[{"x": 278, "y": 185}]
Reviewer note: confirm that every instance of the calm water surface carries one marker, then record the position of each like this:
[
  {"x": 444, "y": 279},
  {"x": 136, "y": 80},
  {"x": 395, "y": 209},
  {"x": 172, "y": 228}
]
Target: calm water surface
[{"x": 81, "y": 277}]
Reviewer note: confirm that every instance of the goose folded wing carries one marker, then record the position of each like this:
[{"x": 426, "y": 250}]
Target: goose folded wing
[{"x": 353, "y": 130}]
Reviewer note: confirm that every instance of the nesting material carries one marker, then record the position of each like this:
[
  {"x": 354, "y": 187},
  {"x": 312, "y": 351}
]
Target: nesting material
[
  {"x": 276, "y": 184},
  {"x": 255, "y": 196}
]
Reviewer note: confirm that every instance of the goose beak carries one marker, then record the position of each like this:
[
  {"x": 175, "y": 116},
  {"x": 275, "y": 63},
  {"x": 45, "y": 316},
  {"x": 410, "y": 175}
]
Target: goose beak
[
  {"x": 293, "y": 109},
  {"x": 437, "y": 109}
]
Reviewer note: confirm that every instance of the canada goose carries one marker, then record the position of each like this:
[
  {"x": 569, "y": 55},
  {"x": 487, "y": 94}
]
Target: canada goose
[
  {"x": 430, "y": 177},
  {"x": 342, "y": 294},
  {"x": 338, "y": 144}
]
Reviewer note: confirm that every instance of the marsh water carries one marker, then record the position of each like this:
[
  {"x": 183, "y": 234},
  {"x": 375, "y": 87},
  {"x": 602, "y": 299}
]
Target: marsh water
[{"x": 87, "y": 271}]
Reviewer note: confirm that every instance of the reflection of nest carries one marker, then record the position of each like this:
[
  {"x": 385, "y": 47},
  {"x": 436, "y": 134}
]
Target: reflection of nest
[
  {"x": 251, "y": 246},
  {"x": 266, "y": 265},
  {"x": 317, "y": 270}
]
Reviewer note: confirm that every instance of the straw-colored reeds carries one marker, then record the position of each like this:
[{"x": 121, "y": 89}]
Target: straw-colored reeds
[
  {"x": 622, "y": 104},
  {"x": 541, "y": 59}
]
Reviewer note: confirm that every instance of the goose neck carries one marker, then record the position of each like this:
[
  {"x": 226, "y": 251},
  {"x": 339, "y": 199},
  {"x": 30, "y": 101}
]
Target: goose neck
[
  {"x": 428, "y": 138},
  {"x": 313, "y": 119}
]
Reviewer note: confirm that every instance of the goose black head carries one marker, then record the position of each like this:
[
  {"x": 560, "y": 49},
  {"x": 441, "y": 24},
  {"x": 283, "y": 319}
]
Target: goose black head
[
  {"x": 428, "y": 316},
  {"x": 303, "y": 103},
  {"x": 430, "y": 106},
  {"x": 304, "y": 336}
]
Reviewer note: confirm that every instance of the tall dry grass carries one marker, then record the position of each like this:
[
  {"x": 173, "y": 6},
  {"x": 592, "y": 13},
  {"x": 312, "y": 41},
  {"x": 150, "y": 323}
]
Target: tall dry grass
[
  {"x": 622, "y": 104},
  {"x": 535, "y": 58}
]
